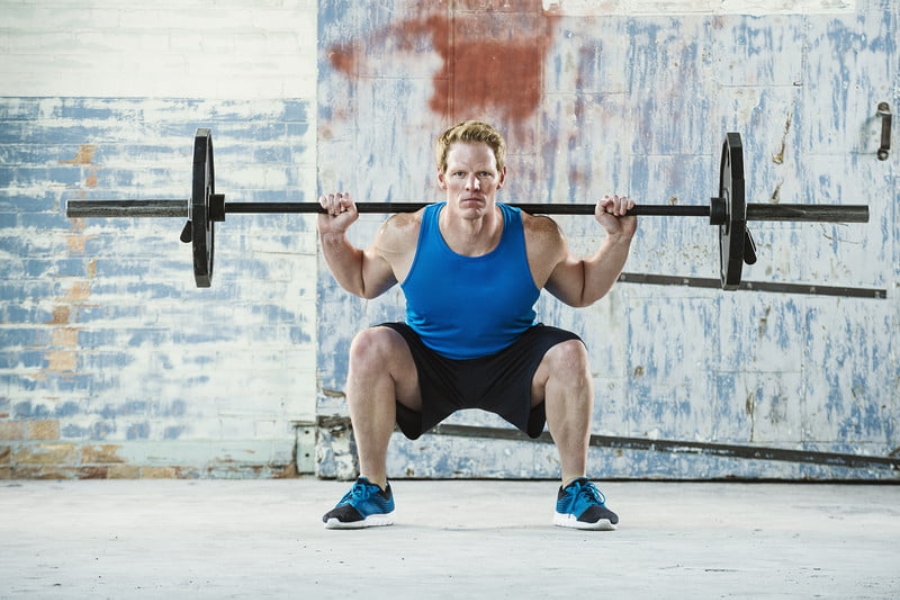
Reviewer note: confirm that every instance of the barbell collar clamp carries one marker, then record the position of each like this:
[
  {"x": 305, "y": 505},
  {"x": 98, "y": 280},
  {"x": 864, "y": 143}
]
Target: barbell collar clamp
[
  {"x": 217, "y": 207},
  {"x": 717, "y": 211}
]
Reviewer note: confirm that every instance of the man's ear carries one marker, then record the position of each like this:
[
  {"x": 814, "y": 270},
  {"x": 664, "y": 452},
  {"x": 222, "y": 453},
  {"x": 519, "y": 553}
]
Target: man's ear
[
  {"x": 502, "y": 177},
  {"x": 441, "y": 182}
]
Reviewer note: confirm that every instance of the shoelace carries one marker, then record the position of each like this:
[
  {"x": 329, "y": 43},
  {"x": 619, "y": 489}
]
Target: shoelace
[
  {"x": 590, "y": 492},
  {"x": 359, "y": 491}
]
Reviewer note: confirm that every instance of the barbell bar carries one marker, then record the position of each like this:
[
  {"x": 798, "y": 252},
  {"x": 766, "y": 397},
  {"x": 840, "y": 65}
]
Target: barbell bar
[
  {"x": 729, "y": 211},
  {"x": 80, "y": 209}
]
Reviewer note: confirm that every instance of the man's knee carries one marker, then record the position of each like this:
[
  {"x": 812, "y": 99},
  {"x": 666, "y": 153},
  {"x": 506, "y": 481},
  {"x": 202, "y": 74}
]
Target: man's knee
[
  {"x": 381, "y": 351},
  {"x": 569, "y": 358},
  {"x": 374, "y": 345},
  {"x": 379, "y": 357}
]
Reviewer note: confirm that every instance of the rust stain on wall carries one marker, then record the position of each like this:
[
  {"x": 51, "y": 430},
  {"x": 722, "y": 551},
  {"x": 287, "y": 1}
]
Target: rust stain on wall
[
  {"x": 489, "y": 61},
  {"x": 483, "y": 67},
  {"x": 66, "y": 337},
  {"x": 101, "y": 454},
  {"x": 343, "y": 59},
  {"x": 76, "y": 243},
  {"x": 43, "y": 430},
  {"x": 62, "y": 355},
  {"x": 85, "y": 156},
  {"x": 61, "y": 361},
  {"x": 60, "y": 316},
  {"x": 79, "y": 292}
]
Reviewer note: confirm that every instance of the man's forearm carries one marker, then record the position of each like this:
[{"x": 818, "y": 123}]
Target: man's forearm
[
  {"x": 344, "y": 261},
  {"x": 604, "y": 267}
]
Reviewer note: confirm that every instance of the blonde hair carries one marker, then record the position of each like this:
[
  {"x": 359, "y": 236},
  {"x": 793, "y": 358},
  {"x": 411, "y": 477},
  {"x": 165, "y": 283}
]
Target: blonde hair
[{"x": 470, "y": 132}]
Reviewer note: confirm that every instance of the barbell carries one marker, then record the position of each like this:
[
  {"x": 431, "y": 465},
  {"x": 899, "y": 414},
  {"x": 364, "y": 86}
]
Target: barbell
[{"x": 729, "y": 211}]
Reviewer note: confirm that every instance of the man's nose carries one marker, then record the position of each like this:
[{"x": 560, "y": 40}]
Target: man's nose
[{"x": 472, "y": 182}]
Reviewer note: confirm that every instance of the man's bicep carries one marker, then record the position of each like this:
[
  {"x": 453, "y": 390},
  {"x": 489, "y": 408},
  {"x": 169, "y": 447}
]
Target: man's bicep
[
  {"x": 566, "y": 281},
  {"x": 377, "y": 273}
]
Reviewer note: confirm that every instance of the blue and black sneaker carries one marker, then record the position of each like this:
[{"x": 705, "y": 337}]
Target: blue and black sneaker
[
  {"x": 365, "y": 505},
  {"x": 582, "y": 506}
]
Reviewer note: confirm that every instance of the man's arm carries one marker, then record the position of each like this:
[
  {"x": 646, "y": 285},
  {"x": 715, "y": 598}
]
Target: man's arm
[
  {"x": 365, "y": 273},
  {"x": 582, "y": 281}
]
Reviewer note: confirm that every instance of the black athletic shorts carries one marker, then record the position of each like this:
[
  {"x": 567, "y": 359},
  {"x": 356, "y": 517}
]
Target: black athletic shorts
[{"x": 500, "y": 383}]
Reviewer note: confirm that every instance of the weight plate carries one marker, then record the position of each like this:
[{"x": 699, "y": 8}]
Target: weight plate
[
  {"x": 731, "y": 231},
  {"x": 203, "y": 228}
]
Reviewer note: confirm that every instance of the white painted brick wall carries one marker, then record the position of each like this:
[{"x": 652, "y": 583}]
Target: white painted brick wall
[
  {"x": 190, "y": 49},
  {"x": 113, "y": 363}
]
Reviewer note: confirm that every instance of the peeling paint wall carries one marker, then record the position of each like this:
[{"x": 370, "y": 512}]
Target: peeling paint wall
[
  {"x": 112, "y": 363},
  {"x": 636, "y": 97}
]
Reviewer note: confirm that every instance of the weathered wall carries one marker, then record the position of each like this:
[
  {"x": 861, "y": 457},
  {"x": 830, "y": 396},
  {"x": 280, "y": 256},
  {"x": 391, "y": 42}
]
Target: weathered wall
[
  {"x": 636, "y": 97},
  {"x": 112, "y": 364}
]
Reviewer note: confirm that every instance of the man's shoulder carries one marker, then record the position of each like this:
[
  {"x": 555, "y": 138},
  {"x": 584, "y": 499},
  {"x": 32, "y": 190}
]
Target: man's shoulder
[
  {"x": 546, "y": 246},
  {"x": 403, "y": 224},
  {"x": 542, "y": 227},
  {"x": 400, "y": 231}
]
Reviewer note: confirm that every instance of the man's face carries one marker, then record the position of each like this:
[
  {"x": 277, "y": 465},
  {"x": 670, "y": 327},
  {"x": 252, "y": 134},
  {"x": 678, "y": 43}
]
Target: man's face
[{"x": 471, "y": 179}]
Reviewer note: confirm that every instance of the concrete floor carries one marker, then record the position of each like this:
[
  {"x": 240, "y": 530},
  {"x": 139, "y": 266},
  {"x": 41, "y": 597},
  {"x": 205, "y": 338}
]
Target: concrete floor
[{"x": 454, "y": 539}]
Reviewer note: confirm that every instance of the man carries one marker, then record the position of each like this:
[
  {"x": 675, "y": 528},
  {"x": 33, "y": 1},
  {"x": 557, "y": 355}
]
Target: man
[{"x": 471, "y": 270}]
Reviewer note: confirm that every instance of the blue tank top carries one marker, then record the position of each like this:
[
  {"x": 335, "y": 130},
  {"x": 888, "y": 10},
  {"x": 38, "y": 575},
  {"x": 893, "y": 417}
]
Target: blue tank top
[{"x": 467, "y": 307}]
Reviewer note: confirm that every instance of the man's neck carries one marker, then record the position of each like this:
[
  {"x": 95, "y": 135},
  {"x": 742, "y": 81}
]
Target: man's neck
[{"x": 472, "y": 237}]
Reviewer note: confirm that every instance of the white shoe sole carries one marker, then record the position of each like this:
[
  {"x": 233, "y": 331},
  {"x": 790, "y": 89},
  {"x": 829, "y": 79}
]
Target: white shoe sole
[
  {"x": 572, "y": 522},
  {"x": 370, "y": 521}
]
